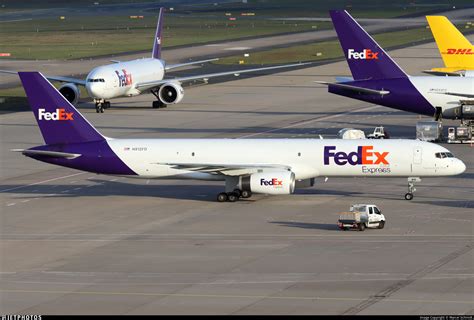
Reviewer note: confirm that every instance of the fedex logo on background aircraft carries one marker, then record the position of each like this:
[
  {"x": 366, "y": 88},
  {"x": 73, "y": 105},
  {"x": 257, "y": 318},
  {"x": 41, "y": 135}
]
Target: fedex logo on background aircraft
[
  {"x": 273, "y": 182},
  {"x": 125, "y": 79},
  {"x": 58, "y": 115},
  {"x": 363, "y": 156},
  {"x": 459, "y": 51},
  {"x": 366, "y": 54}
]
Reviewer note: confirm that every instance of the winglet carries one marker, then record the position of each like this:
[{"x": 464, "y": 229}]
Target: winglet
[
  {"x": 158, "y": 36},
  {"x": 366, "y": 59}
]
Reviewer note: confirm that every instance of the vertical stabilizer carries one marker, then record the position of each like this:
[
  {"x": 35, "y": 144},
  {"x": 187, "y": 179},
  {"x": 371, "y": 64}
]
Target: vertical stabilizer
[
  {"x": 158, "y": 36},
  {"x": 366, "y": 59}
]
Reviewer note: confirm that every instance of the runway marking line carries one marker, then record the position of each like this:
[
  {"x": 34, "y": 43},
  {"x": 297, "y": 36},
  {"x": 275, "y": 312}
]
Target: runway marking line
[
  {"x": 44, "y": 181},
  {"x": 190, "y": 295}
]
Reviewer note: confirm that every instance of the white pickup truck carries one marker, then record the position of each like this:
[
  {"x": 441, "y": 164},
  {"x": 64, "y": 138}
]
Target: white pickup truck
[{"x": 361, "y": 216}]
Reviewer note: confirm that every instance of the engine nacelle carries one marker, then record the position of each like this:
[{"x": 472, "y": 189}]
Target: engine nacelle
[
  {"x": 282, "y": 182},
  {"x": 306, "y": 183},
  {"x": 171, "y": 93},
  {"x": 71, "y": 92}
]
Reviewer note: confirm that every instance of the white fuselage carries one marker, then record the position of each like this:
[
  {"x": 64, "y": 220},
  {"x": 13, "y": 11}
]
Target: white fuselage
[
  {"x": 434, "y": 88},
  {"x": 306, "y": 158},
  {"x": 119, "y": 79}
]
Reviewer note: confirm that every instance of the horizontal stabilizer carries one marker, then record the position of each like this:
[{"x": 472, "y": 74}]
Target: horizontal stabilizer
[
  {"x": 51, "y": 154},
  {"x": 355, "y": 88},
  {"x": 442, "y": 73},
  {"x": 180, "y": 65}
]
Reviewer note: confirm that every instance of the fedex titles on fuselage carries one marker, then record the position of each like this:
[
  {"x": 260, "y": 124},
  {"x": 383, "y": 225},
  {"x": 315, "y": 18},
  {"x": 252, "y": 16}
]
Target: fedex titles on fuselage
[
  {"x": 125, "y": 79},
  {"x": 370, "y": 161}
]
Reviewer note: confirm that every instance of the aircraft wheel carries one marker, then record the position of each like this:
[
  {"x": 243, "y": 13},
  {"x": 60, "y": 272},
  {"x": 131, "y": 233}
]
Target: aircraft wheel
[
  {"x": 238, "y": 192},
  {"x": 232, "y": 197},
  {"x": 246, "y": 194},
  {"x": 106, "y": 105},
  {"x": 408, "y": 196},
  {"x": 222, "y": 197}
]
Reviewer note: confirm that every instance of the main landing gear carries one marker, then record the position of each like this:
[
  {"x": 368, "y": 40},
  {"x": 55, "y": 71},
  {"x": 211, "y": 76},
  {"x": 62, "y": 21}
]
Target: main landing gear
[
  {"x": 233, "y": 196},
  {"x": 101, "y": 105},
  {"x": 158, "y": 103},
  {"x": 411, "y": 187}
]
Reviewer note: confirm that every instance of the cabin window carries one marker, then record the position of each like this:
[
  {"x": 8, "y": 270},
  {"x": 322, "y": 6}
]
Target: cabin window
[
  {"x": 370, "y": 210},
  {"x": 299, "y": 154},
  {"x": 192, "y": 154}
]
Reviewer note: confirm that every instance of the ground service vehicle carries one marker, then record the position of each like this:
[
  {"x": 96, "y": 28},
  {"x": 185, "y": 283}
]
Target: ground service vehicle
[
  {"x": 361, "y": 216},
  {"x": 429, "y": 131},
  {"x": 379, "y": 133}
]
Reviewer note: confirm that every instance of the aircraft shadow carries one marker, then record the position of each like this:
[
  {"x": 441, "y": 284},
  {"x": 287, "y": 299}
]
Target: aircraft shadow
[{"x": 307, "y": 225}]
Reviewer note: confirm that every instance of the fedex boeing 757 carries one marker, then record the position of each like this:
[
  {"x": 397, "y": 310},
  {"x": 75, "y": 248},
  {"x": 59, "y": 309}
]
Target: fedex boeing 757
[
  {"x": 378, "y": 79},
  {"x": 131, "y": 78},
  {"x": 269, "y": 166}
]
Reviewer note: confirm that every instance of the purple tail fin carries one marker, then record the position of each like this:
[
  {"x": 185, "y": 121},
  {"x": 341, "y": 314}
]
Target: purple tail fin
[
  {"x": 158, "y": 36},
  {"x": 365, "y": 57},
  {"x": 58, "y": 120}
]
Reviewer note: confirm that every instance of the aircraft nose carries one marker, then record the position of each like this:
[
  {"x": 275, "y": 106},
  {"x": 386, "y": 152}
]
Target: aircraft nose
[
  {"x": 459, "y": 166},
  {"x": 93, "y": 89}
]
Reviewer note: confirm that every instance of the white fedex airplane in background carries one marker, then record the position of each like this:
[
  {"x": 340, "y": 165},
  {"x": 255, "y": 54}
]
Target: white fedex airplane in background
[
  {"x": 131, "y": 78},
  {"x": 269, "y": 166}
]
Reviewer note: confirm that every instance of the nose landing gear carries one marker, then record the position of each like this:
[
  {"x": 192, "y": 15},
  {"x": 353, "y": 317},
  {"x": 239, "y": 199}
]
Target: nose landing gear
[
  {"x": 101, "y": 105},
  {"x": 411, "y": 187},
  {"x": 158, "y": 103}
]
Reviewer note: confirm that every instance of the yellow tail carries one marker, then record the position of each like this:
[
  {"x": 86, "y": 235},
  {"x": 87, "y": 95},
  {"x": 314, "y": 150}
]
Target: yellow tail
[{"x": 457, "y": 52}]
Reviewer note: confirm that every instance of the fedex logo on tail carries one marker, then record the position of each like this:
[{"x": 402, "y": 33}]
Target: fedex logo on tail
[
  {"x": 459, "y": 51},
  {"x": 366, "y": 54},
  {"x": 363, "y": 156},
  {"x": 58, "y": 115}
]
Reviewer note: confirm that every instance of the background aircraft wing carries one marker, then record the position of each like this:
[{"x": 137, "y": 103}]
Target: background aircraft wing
[
  {"x": 226, "y": 169},
  {"x": 55, "y": 78},
  {"x": 457, "y": 94},
  {"x": 179, "y": 65},
  {"x": 354, "y": 88},
  {"x": 152, "y": 84}
]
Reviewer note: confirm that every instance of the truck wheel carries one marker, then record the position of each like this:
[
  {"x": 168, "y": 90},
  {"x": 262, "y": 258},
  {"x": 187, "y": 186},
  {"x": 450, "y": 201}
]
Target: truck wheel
[
  {"x": 361, "y": 227},
  {"x": 381, "y": 224}
]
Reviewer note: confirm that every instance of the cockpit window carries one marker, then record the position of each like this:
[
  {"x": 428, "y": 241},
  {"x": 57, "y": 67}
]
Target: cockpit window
[
  {"x": 96, "y": 80},
  {"x": 441, "y": 155}
]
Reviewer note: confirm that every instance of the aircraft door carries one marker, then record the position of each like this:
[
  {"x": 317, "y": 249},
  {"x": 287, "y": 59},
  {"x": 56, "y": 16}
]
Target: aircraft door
[{"x": 417, "y": 158}]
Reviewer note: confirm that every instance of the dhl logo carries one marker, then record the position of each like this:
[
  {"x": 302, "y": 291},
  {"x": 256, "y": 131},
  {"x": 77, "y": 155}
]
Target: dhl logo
[
  {"x": 363, "y": 156},
  {"x": 58, "y": 115},
  {"x": 458, "y": 51}
]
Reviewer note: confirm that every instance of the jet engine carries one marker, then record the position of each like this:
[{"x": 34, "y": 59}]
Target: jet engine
[
  {"x": 71, "y": 92},
  {"x": 171, "y": 93},
  {"x": 279, "y": 182}
]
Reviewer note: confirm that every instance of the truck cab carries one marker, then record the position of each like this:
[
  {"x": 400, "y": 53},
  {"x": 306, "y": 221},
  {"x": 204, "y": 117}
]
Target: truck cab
[{"x": 360, "y": 217}]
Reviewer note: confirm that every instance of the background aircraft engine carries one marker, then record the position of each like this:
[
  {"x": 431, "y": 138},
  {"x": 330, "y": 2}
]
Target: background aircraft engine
[
  {"x": 171, "y": 93},
  {"x": 279, "y": 182},
  {"x": 71, "y": 92}
]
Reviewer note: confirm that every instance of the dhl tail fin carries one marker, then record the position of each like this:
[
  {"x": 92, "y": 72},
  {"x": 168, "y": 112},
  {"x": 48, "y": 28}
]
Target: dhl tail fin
[{"x": 457, "y": 52}]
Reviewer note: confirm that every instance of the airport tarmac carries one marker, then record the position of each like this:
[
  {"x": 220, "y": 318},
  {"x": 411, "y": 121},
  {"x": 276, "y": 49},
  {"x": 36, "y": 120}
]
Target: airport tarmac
[
  {"x": 78, "y": 68},
  {"x": 80, "y": 243}
]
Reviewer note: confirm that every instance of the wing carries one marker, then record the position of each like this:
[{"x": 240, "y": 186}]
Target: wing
[
  {"x": 152, "y": 84},
  {"x": 179, "y": 65},
  {"x": 355, "y": 88},
  {"x": 55, "y": 78},
  {"x": 52, "y": 154},
  {"x": 226, "y": 169},
  {"x": 457, "y": 94},
  {"x": 443, "y": 73}
]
